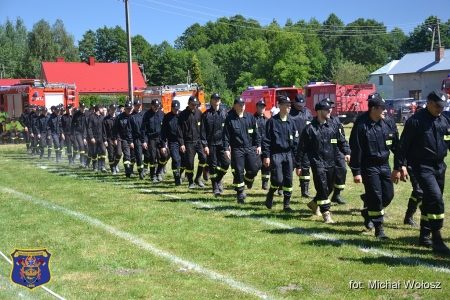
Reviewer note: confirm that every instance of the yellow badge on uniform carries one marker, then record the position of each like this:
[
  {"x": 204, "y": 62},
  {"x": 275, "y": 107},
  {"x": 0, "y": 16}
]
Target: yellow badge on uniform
[
  {"x": 334, "y": 141},
  {"x": 447, "y": 137},
  {"x": 198, "y": 123},
  {"x": 250, "y": 130},
  {"x": 388, "y": 142},
  {"x": 291, "y": 137}
]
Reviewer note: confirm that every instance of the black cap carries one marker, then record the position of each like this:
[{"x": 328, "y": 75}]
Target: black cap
[
  {"x": 239, "y": 100},
  {"x": 215, "y": 96},
  {"x": 323, "y": 104},
  {"x": 193, "y": 99},
  {"x": 128, "y": 104},
  {"x": 112, "y": 106},
  {"x": 137, "y": 102},
  {"x": 299, "y": 98},
  {"x": 69, "y": 106},
  {"x": 375, "y": 100},
  {"x": 283, "y": 99},
  {"x": 52, "y": 108},
  {"x": 439, "y": 97},
  {"x": 82, "y": 105},
  {"x": 155, "y": 102},
  {"x": 261, "y": 102},
  {"x": 176, "y": 104}
]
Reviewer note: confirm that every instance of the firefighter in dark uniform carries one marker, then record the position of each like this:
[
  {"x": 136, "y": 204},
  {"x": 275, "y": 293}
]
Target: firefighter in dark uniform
[
  {"x": 33, "y": 121},
  {"x": 321, "y": 141},
  {"x": 169, "y": 139},
  {"x": 151, "y": 141},
  {"x": 213, "y": 121},
  {"x": 79, "y": 133},
  {"x": 371, "y": 140},
  {"x": 90, "y": 151},
  {"x": 24, "y": 120},
  {"x": 242, "y": 145},
  {"x": 114, "y": 149},
  {"x": 136, "y": 126},
  {"x": 66, "y": 126},
  {"x": 96, "y": 139},
  {"x": 41, "y": 128},
  {"x": 424, "y": 143},
  {"x": 301, "y": 116},
  {"x": 189, "y": 122},
  {"x": 340, "y": 165},
  {"x": 55, "y": 131},
  {"x": 122, "y": 134},
  {"x": 261, "y": 121},
  {"x": 277, "y": 148}
]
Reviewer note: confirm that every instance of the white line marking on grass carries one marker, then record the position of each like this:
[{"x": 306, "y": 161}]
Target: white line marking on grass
[
  {"x": 237, "y": 285},
  {"x": 43, "y": 287}
]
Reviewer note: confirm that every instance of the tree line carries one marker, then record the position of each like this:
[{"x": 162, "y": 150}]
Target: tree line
[{"x": 228, "y": 54}]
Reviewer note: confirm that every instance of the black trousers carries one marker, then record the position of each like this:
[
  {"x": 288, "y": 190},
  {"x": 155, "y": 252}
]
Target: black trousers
[
  {"x": 431, "y": 178},
  {"x": 27, "y": 136},
  {"x": 44, "y": 142},
  {"x": 187, "y": 158},
  {"x": 281, "y": 167},
  {"x": 138, "y": 151},
  {"x": 379, "y": 190},
  {"x": 340, "y": 173},
  {"x": 114, "y": 153},
  {"x": 265, "y": 171},
  {"x": 68, "y": 143},
  {"x": 97, "y": 150},
  {"x": 218, "y": 163},
  {"x": 153, "y": 156},
  {"x": 244, "y": 161},
  {"x": 126, "y": 151},
  {"x": 56, "y": 142},
  {"x": 78, "y": 137},
  {"x": 174, "y": 150},
  {"x": 323, "y": 178}
]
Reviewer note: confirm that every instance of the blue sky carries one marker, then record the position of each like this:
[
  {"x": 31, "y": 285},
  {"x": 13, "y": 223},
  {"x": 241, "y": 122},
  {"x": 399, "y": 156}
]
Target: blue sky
[{"x": 159, "y": 20}]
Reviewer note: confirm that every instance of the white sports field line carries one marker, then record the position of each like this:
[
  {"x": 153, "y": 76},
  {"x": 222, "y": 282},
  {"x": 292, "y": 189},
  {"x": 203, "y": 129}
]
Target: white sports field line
[
  {"x": 237, "y": 285},
  {"x": 43, "y": 287}
]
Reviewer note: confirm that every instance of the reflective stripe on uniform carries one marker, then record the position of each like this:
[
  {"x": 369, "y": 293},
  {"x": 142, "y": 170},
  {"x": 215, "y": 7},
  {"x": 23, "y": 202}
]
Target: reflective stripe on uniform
[
  {"x": 248, "y": 179},
  {"x": 127, "y": 162},
  {"x": 187, "y": 171},
  {"x": 340, "y": 186},
  {"x": 265, "y": 176},
  {"x": 305, "y": 177},
  {"x": 435, "y": 217},
  {"x": 376, "y": 213},
  {"x": 287, "y": 189},
  {"x": 239, "y": 184},
  {"x": 274, "y": 187},
  {"x": 323, "y": 202},
  {"x": 424, "y": 217},
  {"x": 202, "y": 165},
  {"x": 220, "y": 169}
]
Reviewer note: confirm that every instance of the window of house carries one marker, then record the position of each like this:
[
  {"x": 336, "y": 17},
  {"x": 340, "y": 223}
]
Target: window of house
[
  {"x": 416, "y": 94},
  {"x": 380, "y": 80}
]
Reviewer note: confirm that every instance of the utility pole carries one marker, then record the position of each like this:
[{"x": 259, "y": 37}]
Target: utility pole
[
  {"x": 432, "y": 38},
  {"x": 439, "y": 33},
  {"x": 130, "y": 66}
]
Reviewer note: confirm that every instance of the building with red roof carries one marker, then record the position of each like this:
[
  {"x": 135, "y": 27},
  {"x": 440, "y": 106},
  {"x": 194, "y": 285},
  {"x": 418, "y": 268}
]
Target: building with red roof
[
  {"x": 93, "y": 77},
  {"x": 11, "y": 81}
]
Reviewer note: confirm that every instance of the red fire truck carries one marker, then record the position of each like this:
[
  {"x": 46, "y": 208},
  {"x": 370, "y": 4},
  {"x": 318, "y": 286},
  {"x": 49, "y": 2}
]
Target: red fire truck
[
  {"x": 350, "y": 100},
  {"x": 254, "y": 93},
  {"x": 13, "y": 98}
]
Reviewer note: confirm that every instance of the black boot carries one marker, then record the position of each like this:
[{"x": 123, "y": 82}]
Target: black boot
[
  {"x": 152, "y": 174},
  {"x": 439, "y": 247},
  {"x": 286, "y": 204},
  {"x": 367, "y": 222},
  {"x": 205, "y": 173},
  {"x": 269, "y": 198},
  {"x": 160, "y": 172},
  {"x": 94, "y": 165},
  {"x": 337, "y": 197},
  {"x": 304, "y": 186},
  {"x": 241, "y": 197},
  {"x": 198, "y": 177},
  {"x": 102, "y": 167},
  {"x": 412, "y": 207},
  {"x": 248, "y": 183},
  {"x": 379, "y": 232},
  {"x": 215, "y": 186},
  {"x": 113, "y": 169},
  {"x": 190, "y": 180},
  {"x": 176, "y": 176},
  {"x": 141, "y": 174},
  {"x": 425, "y": 237},
  {"x": 127, "y": 170},
  {"x": 49, "y": 154}
]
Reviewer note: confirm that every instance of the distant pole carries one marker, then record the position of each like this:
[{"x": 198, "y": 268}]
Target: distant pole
[
  {"x": 432, "y": 39},
  {"x": 439, "y": 33},
  {"x": 130, "y": 66}
]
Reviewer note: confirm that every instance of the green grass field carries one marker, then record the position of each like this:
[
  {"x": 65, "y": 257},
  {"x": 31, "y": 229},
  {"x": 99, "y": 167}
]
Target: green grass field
[{"x": 117, "y": 238}]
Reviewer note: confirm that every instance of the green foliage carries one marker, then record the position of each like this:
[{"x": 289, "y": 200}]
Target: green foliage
[
  {"x": 91, "y": 100},
  {"x": 348, "y": 72},
  {"x": 3, "y": 116}
]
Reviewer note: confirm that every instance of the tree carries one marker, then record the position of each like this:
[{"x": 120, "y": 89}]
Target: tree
[
  {"x": 348, "y": 72},
  {"x": 13, "y": 44},
  {"x": 87, "y": 46},
  {"x": 196, "y": 73},
  {"x": 213, "y": 78},
  {"x": 40, "y": 47},
  {"x": 111, "y": 44},
  {"x": 64, "y": 42},
  {"x": 420, "y": 39}
]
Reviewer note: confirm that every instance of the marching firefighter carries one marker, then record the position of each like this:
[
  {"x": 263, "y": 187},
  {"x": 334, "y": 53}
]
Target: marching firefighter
[
  {"x": 261, "y": 121},
  {"x": 277, "y": 147},
  {"x": 423, "y": 146},
  {"x": 212, "y": 124},
  {"x": 371, "y": 140},
  {"x": 33, "y": 121},
  {"x": 96, "y": 139},
  {"x": 24, "y": 120},
  {"x": 41, "y": 128},
  {"x": 79, "y": 133},
  {"x": 136, "y": 129},
  {"x": 169, "y": 139},
  {"x": 55, "y": 131},
  {"x": 114, "y": 149},
  {"x": 320, "y": 142},
  {"x": 242, "y": 145},
  {"x": 154, "y": 156},
  {"x": 301, "y": 116},
  {"x": 189, "y": 121},
  {"x": 66, "y": 126},
  {"x": 122, "y": 135}
]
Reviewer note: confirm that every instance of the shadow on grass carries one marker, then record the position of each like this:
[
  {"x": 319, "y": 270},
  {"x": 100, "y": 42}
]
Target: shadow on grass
[{"x": 404, "y": 261}]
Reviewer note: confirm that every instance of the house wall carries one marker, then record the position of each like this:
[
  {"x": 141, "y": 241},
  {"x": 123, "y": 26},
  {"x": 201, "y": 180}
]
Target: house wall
[
  {"x": 426, "y": 82},
  {"x": 386, "y": 90}
]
